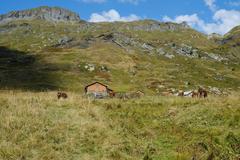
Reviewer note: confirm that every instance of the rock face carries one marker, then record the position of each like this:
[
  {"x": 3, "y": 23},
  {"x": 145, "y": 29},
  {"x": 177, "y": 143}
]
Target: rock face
[
  {"x": 45, "y": 13},
  {"x": 151, "y": 25},
  {"x": 214, "y": 36},
  {"x": 187, "y": 51}
]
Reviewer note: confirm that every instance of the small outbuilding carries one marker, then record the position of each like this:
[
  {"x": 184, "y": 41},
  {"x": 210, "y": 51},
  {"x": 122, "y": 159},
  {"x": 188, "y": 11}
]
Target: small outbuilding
[{"x": 99, "y": 90}]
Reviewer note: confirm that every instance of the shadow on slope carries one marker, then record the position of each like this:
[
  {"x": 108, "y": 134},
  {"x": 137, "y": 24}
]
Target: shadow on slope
[{"x": 18, "y": 70}]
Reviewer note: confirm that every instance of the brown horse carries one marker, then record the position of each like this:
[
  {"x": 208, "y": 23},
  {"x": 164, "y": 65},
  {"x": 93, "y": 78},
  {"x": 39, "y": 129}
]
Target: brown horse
[
  {"x": 202, "y": 93},
  {"x": 62, "y": 95},
  {"x": 195, "y": 94},
  {"x": 111, "y": 94}
]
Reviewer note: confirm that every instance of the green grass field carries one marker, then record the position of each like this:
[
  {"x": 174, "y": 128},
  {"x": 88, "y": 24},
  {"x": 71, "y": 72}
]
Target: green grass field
[{"x": 38, "y": 126}]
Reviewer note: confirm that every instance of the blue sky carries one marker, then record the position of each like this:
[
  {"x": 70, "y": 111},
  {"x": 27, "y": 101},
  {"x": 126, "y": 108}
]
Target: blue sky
[{"x": 205, "y": 15}]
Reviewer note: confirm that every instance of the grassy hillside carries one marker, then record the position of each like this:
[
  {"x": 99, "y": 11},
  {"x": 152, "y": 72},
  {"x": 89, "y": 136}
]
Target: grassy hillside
[
  {"x": 126, "y": 56},
  {"x": 38, "y": 126},
  {"x": 39, "y": 57},
  {"x": 232, "y": 42}
]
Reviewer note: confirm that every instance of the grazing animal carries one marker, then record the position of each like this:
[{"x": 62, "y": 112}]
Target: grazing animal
[
  {"x": 195, "y": 94},
  {"x": 62, "y": 95},
  {"x": 180, "y": 93},
  {"x": 187, "y": 94},
  {"x": 111, "y": 93},
  {"x": 202, "y": 93}
]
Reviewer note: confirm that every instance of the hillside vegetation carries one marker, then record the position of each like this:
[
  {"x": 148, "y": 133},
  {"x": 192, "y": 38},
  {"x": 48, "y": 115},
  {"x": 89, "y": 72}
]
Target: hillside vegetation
[
  {"x": 146, "y": 55},
  {"x": 38, "y": 126},
  {"x": 43, "y": 51}
]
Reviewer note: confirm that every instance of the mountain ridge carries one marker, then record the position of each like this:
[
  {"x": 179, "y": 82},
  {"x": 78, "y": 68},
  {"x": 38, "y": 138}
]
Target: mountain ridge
[
  {"x": 62, "y": 14},
  {"x": 43, "y": 12}
]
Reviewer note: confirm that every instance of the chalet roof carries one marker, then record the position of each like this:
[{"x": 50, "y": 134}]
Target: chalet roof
[{"x": 96, "y": 83}]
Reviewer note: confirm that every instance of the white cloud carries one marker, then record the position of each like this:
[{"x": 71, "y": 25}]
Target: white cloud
[
  {"x": 111, "y": 16},
  {"x": 223, "y": 21},
  {"x": 94, "y": 1},
  {"x": 211, "y": 4},
  {"x": 234, "y": 3},
  {"x": 192, "y": 20}
]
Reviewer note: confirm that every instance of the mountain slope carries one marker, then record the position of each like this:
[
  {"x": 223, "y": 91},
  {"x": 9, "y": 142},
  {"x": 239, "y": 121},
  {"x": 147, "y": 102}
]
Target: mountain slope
[
  {"x": 231, "y": 41},
  {"x": 143, "y": 55}
]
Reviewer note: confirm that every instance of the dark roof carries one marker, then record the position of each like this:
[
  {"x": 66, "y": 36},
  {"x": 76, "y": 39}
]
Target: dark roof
[{"x": 96, "y": 83}]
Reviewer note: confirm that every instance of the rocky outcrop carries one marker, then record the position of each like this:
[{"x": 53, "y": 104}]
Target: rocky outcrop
[
  {"x": 214, "y": 36},
  {"x": 187, "y": 50},
  {"x": 45, "y": 13},
  {"x": 129, "y": 43},
  {"x": 63, "y": 41},
  {"x": 10, "y": 27},
  {"x": 216, "y": 57},
  {"x": 150, "y": 25}
]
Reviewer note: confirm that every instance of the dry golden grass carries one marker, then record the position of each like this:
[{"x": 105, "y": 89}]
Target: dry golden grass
[{"x": 38, "y": 126}]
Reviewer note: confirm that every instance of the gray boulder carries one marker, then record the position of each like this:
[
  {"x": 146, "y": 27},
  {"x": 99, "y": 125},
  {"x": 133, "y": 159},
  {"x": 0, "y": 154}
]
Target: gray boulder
[{"x": 216, "y": 57}]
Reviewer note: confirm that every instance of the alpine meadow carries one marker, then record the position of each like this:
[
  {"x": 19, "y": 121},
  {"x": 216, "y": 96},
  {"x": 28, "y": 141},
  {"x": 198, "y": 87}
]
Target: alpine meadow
[{"x": 72, "y": 89}]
